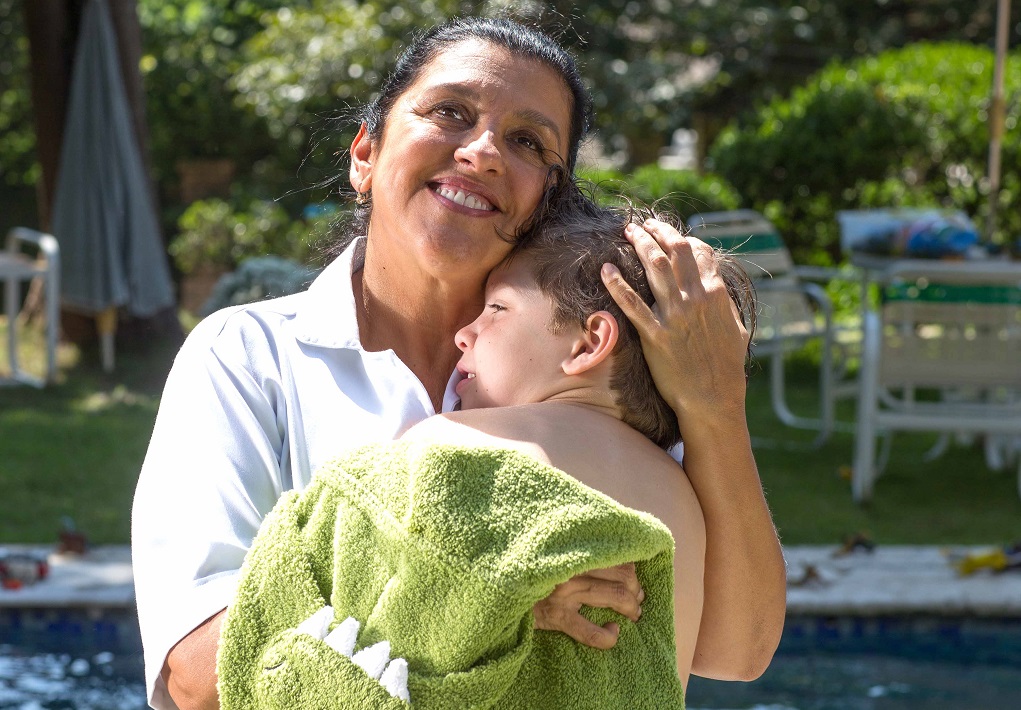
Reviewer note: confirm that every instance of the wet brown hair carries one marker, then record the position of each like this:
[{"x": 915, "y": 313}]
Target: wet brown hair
[{"x": 569, "y": 245}]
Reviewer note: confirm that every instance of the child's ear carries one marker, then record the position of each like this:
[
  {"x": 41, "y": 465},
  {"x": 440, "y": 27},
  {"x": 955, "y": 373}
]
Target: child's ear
[
  {"x": 594, "y": 344},
  {"x": 361, "y": 161}
]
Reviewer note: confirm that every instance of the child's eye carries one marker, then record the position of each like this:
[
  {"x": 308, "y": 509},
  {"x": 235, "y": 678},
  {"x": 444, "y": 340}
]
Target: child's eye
[{"x": 495, "y": 307}]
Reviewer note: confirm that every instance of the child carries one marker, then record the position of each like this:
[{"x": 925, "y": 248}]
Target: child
[{"x": 471, "y": 514}]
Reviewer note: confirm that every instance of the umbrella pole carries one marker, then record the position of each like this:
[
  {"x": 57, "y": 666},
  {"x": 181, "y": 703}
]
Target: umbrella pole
[
  {"x": 106, "y": 325},
  {"x": 997, "y": 111}
]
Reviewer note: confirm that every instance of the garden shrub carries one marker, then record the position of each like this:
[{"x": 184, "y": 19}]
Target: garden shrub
[
  {"x": 905, "y": 128},
  {"x": 682, "y": 192},
  {"x": 216, "y": 234}
]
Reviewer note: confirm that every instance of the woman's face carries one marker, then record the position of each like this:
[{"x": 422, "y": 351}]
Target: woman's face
[{"x": 464, "y": 158}]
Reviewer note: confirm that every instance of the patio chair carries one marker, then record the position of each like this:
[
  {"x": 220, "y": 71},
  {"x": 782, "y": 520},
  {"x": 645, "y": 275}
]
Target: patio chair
[
  {"x": 792, "y": 311},
  {"x": 941, "y": 353},
  {"x": 16, "y": 268}
]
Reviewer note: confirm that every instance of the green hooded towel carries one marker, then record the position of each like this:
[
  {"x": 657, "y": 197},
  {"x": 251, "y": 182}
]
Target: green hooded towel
[{"x": 442, "y": 551}]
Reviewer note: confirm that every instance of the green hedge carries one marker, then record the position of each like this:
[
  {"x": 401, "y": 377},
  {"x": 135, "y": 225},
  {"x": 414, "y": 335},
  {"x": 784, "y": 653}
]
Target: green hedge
[
  {"x": 222, "y": 234},
  {"x": 682, "y": 192},
  {"x": 904, "y": 128}
]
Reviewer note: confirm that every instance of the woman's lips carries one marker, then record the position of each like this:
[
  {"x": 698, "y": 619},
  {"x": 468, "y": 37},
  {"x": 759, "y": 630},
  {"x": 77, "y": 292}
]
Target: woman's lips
[{"x": 464, "y": 196}]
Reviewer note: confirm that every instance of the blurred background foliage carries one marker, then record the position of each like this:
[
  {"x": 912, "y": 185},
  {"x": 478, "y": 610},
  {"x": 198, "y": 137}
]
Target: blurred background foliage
[
  {"x": 803, "y": 107},
  {"x": 907, "y": 127}
]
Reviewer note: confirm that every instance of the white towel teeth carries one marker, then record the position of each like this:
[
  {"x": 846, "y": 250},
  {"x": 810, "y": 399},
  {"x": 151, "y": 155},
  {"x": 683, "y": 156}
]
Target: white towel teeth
[
  {"x": 318, "y": 624},
  {"x": 395, "y": 679},
  {"x": 373, "y": 659},
  {"x": 342, "y": 639}
]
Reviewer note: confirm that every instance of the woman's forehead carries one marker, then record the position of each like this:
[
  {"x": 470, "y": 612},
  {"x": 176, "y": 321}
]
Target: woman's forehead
[{"x": 481, "y": 70}]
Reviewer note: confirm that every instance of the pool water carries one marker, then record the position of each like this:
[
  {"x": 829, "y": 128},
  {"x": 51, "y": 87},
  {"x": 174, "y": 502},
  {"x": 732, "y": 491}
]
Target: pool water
[
  {"x": 826, "y": 681},
  {"x": 31, "y": 679},
  {"x": 50, "y": 661},
  {"x": 70, "y": 659},
  {"x": 883, "y": 663}
]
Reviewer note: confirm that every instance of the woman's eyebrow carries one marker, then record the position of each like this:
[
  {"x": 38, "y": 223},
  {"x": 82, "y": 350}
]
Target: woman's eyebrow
[{"x": 530, "y": 115}]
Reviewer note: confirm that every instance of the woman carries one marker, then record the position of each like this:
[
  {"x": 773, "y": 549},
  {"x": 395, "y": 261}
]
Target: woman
[{"x": 454, "y": 156}]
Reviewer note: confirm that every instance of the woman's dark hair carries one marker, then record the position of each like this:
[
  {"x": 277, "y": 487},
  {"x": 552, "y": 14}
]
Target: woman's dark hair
[
  {"x": 516, "y": 38},
  {"x": 568, "y": 245}
]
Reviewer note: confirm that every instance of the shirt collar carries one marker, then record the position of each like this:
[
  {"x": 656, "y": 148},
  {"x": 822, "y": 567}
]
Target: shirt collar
[{"x": 328, "y": 317}]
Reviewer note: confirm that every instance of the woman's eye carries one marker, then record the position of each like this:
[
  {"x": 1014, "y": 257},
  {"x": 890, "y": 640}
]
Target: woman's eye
[
  {"x": 455, "y": 112},
  {"x": 495, "y": 307},
  {"x": 531, "y": 142}
]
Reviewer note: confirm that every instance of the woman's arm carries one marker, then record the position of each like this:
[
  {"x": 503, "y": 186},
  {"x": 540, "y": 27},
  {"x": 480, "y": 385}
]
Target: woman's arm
[
  {"x": 695, "y": 345},
  {"x": 190, "y": 669}
]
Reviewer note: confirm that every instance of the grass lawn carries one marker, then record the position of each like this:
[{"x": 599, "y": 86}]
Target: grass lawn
[{"x": 75, "y": 448}]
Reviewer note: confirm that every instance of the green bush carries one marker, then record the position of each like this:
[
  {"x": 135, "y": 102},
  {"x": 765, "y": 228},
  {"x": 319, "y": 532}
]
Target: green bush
[
  {"x": 905, "y": 128},
  {"x": 682, "y": 192},
  {"x": 214, "y": 233}
]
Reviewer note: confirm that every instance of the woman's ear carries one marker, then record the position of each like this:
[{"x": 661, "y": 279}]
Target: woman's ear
[
  {"x": 594, "y": 344},
  {"x": 361, "y": 161}
]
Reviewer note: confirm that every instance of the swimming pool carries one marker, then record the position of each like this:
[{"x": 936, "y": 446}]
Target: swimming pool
[
  {"x": 882, "y": 663},
  {"x": 70, "y": 659},
  {"x": 92, "y": 661}
]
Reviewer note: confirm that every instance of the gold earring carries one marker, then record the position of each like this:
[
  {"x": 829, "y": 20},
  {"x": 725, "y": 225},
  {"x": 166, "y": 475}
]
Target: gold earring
[{"x": 362, "y": 199}]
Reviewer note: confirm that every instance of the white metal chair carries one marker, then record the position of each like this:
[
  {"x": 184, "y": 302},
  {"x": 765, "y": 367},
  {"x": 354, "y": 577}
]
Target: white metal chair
[
  {"x": 942, "y": 353},
  {"x": 16, "y": 268},
  {"x": 792, "y": 312}
]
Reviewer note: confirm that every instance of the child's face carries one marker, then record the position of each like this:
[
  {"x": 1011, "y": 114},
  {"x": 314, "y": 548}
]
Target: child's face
[{"x": 510, "y": 356}]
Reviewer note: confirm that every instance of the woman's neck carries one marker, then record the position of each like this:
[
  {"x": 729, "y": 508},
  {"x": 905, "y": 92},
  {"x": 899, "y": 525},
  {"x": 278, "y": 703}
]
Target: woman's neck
[{"x": 416, "y": 316}]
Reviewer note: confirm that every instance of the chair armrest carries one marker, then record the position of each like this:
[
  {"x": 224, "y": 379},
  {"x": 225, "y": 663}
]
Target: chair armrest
[
  {"x": 813, "y": 292},
  {"x": 46, "y": 243}
]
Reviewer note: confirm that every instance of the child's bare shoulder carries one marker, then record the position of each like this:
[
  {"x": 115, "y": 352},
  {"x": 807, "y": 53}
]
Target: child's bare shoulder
[{"x": 478, "y": 427}]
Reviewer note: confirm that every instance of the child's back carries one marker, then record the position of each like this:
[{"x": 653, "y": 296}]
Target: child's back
[{"x": 609, "y": 456}]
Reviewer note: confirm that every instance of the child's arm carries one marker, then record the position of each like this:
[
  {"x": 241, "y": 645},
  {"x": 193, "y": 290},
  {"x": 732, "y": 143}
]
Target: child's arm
[{"x": 695, "y": 346}]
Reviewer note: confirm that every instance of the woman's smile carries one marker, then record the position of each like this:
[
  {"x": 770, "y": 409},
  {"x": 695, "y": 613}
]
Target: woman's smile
[
  {"x": 470, "y": 198},
  {"x": 464, "y": 158}
]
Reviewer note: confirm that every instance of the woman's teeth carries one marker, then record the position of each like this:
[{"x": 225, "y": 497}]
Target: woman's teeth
[
  {"x": 471, "y": 376},
  {"x": 464, "y": 198}
]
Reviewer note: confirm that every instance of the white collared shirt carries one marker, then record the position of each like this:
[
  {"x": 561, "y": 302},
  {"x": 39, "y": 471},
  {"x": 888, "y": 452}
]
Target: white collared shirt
[{"x": 258, "y": 397}]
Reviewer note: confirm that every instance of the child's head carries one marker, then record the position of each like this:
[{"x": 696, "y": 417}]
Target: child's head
[{"x": 547, "y": 310}]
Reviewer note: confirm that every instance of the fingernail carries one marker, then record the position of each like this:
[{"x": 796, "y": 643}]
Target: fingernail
[
  {"x": 639, "y": 613},
  {"x": 630, "y": 227},
  {"x": 641, "y": 596}
]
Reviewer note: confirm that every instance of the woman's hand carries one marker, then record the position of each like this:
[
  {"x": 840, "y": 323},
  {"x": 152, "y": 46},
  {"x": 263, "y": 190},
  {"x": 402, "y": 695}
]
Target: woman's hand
[
  {"x": 693, "y": 338},
  {"x": 695, "y": 344},
  {"x": 614, "y": 588}
]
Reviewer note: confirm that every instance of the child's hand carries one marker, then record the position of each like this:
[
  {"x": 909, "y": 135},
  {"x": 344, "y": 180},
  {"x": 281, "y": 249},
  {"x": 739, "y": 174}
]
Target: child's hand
[{"x": 693, "y": 338}]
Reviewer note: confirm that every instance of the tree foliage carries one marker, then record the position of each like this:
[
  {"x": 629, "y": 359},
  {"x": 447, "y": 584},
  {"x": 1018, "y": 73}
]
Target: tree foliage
[
  {"x": 18, "y": 166},
  {"x": 907, "y": 127},
  {"x": 191, "y": 50}
]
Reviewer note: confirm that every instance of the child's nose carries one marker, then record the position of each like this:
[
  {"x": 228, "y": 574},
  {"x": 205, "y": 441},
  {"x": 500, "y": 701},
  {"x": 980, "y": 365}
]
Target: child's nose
[{"x": 465, "y": 337}]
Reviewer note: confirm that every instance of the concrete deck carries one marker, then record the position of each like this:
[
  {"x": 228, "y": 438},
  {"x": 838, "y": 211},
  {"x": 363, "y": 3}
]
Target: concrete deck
[{"x": 893, "y": 580}]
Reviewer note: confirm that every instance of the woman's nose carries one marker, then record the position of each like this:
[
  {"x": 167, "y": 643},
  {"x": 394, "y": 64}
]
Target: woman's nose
[{"x": 481, "y": 151}]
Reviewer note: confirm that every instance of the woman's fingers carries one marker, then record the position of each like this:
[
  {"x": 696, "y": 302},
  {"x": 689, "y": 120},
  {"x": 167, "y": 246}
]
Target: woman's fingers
[
  {"x": 630, "y": 302},
  {"x": 686, "y": 255},
  {"x": 694, "y": 339},
  {"x": 614, "y": 588}
]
